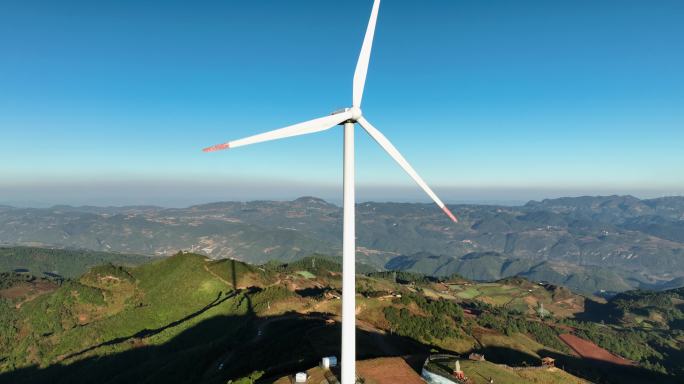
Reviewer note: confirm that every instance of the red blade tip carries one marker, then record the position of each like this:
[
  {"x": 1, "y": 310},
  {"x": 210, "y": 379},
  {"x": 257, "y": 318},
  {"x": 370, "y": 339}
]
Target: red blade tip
[
  {"x": 217, "y": 147},
  {"x": 448, "y": 213}
]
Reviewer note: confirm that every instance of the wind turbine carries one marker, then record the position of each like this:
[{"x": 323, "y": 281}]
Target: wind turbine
[{"x": 347, "y": 117}]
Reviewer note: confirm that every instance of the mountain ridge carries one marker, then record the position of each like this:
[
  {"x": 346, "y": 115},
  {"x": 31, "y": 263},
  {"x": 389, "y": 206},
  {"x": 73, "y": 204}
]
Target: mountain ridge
[{"x": 641, "y": 241}]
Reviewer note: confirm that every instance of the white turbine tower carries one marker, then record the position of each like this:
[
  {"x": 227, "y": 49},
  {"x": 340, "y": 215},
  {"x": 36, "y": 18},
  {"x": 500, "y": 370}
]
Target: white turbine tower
[{"x": 347, "y": 117}]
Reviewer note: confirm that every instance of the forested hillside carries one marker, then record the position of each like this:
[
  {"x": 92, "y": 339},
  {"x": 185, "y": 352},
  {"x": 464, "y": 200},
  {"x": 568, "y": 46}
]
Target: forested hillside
[
  {"x": 188, "y": 319},
  {"x": 60, "y": 262}
]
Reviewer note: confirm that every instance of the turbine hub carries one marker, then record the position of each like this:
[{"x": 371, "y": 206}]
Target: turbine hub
[{"x": 356, "y": 113}]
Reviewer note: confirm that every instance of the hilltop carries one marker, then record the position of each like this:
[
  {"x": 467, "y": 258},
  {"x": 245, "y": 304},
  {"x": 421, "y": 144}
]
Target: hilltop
[
  {"x": 188, "y": 318},
  {"x": 602, "y": 244}
]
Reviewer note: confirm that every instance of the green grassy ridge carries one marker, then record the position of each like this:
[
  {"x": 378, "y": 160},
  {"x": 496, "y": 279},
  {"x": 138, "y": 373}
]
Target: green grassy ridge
[{"x": 149, "y": 297}]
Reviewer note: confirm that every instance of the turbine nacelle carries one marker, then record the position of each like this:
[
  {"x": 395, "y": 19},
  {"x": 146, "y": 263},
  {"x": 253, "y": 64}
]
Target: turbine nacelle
[{"x": 354, "y": 112}]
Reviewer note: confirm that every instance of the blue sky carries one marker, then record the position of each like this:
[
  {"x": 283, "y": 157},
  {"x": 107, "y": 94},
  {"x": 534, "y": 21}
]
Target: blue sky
[{"x": 110, "y": 102}]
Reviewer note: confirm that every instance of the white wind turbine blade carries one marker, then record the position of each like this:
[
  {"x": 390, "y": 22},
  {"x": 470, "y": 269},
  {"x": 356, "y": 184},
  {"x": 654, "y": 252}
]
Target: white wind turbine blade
[
  {"x": 364, "y": 58},
  {"x": 311, "y": 126},
  {"x": 394, "y": 153}
]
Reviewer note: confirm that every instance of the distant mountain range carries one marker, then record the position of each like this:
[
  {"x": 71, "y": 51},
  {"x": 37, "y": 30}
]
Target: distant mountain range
[{"x": 610, "y": 243}]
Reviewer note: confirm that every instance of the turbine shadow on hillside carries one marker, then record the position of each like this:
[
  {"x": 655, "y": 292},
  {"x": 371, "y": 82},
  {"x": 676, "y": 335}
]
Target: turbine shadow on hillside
[
  {"x": 151, "y": 332},
  {"x": 278, "y": 345}
]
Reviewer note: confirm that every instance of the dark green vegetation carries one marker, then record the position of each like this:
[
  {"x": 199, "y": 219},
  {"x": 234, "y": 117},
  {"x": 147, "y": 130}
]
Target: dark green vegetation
[
  {"x": 439, "y": 318},
  {"x": 643, "y": 326},
  {"x": 492, "y": 266},
  {"x": 510, "y": 322},
  {"x": 176, "y": 320},
  {"x": 155, "y": 308},
  {"x": 11, "y": 279},
  {"x": 650, "y": 308},
  {"x": 612, "y": 243},
  {"x": 64, "y": 263}
]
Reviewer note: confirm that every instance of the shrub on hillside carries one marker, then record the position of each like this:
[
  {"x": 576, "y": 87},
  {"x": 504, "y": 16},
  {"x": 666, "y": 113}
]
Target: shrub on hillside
[
  {"x": 261, "y": 299},
  {"x": 251, "y": 379}
]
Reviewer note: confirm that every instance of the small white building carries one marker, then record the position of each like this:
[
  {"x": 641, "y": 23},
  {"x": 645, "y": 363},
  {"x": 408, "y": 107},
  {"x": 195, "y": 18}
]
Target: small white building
[
  {"x": 329, "y": 362},
  {"x": 300, "y": 377}
]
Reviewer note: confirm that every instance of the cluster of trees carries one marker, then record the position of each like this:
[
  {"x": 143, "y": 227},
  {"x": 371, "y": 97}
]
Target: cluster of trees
[
  {"x": 435, "y": 308},
  {"x": 109, "y": 269},
  {"x": 10, "y": 279},
  {"x": 405, "y": 323},
  {"x": 632, "y": 344},
  {"x": 86, "y": 294},
  {"x": 643, "y": 302},
  {"x": 509, "y": 322},
  {"x": 402, "y": 277},
  {"x": 316, "y": 264},
  {"x": 653, "y": 343},
  {"x": 437, "y": 326},
  {"x": 261, "y": 299}
]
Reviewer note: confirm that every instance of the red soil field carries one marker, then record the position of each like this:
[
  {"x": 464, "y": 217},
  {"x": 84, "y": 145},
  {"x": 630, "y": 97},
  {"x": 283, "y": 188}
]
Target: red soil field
[
  {"x": 388, "y": 370},
  {"x": 589, "y": 350},
  {"x": 28, "y": 290}
]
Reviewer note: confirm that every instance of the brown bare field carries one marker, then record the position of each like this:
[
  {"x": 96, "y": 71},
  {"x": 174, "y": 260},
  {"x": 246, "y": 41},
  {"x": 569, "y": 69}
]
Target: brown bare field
[
  {"x": 15, "y": 292},
  {"x": 27, "y": 291},
  {"x": 388, "y": 370},
  {"x": 589, "y": 350},
  {"x": 384, "y": 370}
]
